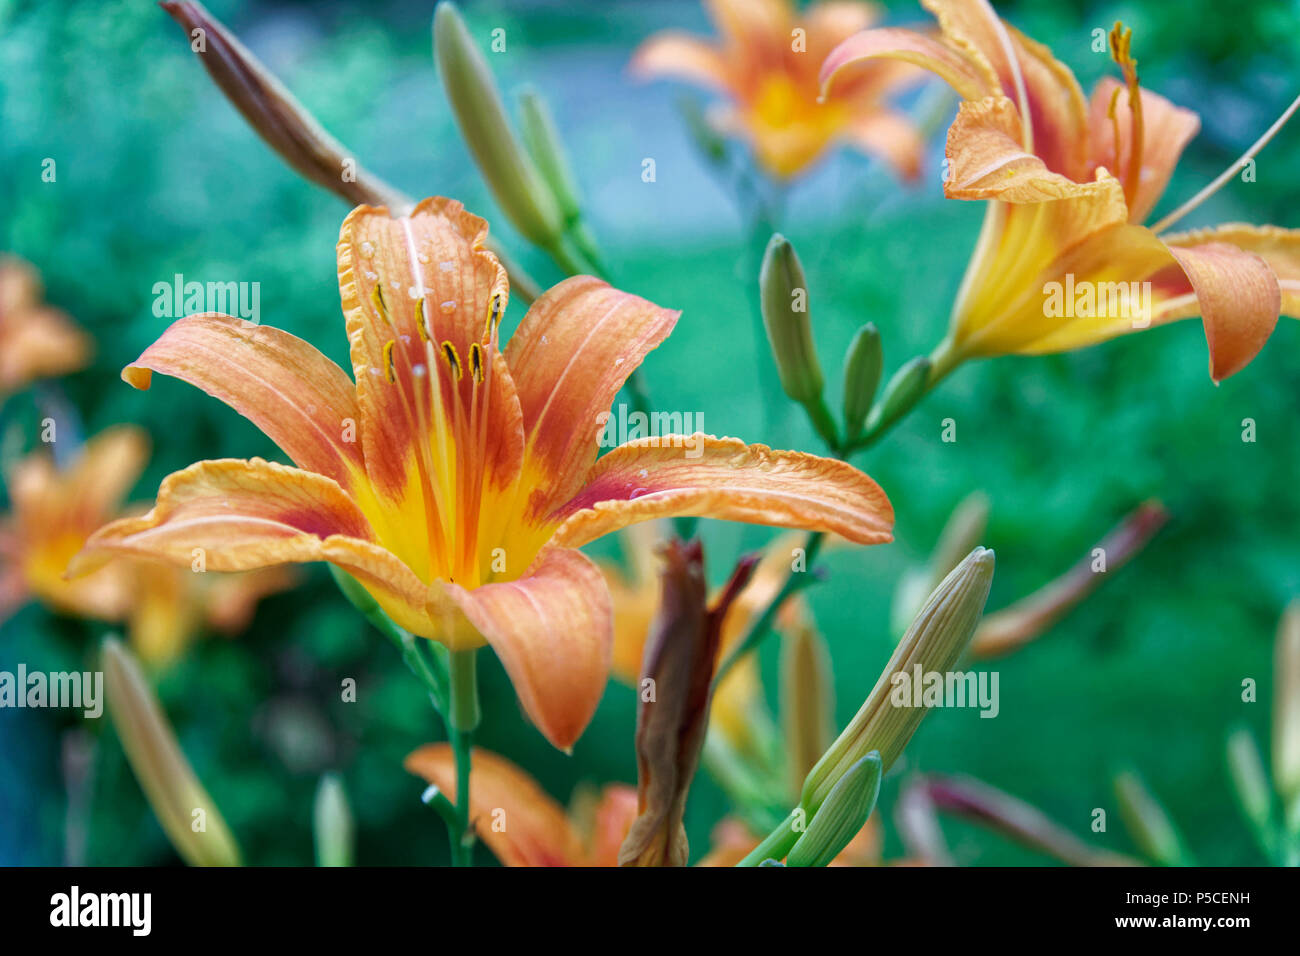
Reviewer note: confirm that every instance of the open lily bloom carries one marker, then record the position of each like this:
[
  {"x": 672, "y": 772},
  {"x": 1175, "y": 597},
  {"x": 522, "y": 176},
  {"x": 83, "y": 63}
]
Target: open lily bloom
[
  {"x": 1063, "y": 260},
  {"x": 455, "y": 480},
  {"x": 766, "y": 64},
  {"x": 55, "y": 511},
  {"x": 36, "y": 341}
]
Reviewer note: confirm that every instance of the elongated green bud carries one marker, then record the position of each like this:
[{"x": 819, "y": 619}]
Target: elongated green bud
[
  {"x": 904, "y": 390},
  {"x": 510, "y": 173},
  {"x": 934, "y": 643},
  {"x": 1286, "y": 708},
  {"x": 807, "y": 700},
  {"x": 1149, "y": 823},
  {"x": 863, "y": 363},
  {"x": 1246, "y": 769},
  {"x": 332, "y": 823},
  {"x": 188, "y": 816},
  {"x": 783, "y": 293},
  {"x": 543, "y": 142},
  {"x": 842, "y": 815}
]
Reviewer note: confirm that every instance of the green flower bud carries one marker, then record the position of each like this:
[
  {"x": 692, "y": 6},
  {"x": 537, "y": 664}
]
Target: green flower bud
[
  {"x": 905, "y": 389},
  {"x": 510, "y": 173},
  {"x": 542, "y": 140},
  {"x": 1286, "y": 707},
  {"x": 863, "y": 363},
  {"x": 842, "y": 815},
  {"x": 1246, "y": 769},
  {"x": 1149, "y": 823},
  {"x": 783, "y": 293},
  {"x": 332, "y": 823},
  {"x": 934, "y": 642},
  {"x": 188, "y": 816},
  {"x": 807, "y": 700}
]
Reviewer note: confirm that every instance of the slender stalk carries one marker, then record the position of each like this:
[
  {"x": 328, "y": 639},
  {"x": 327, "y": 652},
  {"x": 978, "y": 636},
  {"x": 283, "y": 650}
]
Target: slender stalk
[
  {"x": 462, "y": 718},
  {"x": 775, "y": 845}
]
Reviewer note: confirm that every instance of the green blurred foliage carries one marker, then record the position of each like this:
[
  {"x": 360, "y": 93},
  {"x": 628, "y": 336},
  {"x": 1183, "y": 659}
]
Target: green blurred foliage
[{"x": 157, "y": 175}]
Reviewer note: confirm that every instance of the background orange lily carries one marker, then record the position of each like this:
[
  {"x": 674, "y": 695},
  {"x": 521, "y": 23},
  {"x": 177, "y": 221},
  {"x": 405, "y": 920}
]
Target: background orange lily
[
  {"x": 36, "y": 341},
  {"x": 769, "y": 75},
  {"x": 55, "y": 511},
  {"x": 1069, "y": 182},
  {"x": 454, "y": 480}
]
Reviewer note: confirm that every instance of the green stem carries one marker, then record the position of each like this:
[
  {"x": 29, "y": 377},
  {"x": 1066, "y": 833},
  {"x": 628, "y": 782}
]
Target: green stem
[
  {"x": 462, "y": 718},
  {"x": 776, "y": 844}
]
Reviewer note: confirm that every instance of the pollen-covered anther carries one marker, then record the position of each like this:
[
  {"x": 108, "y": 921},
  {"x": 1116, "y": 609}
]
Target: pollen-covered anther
[
  {"x": 420, "y": 325},
  {"x": 453, "y": 359},
  {"x": 495, "y": 311},
  {"x": 390, "y": 370},
  {"x": 476, "y": 361},
  {"x": 377, "y": 297}
]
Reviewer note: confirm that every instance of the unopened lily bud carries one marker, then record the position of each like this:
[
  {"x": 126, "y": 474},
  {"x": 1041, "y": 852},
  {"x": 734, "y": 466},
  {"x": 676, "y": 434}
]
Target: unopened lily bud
[
  {"x": 188, "y": 816},
  {"x": 332, "y": 823},
  {"x": 1246, "y": 769},
  {"x": 934, "y": 643},
  {"x": 1003, "y": 631},
  {"x": 842, "y": 814},
  {"x": 671, "y": 720},
  {"x": 543, "y": 142},
  {"x": 863, "y": 363},
  {"x": 904, "y": 390},
  {"x": 1149, "y": 823},
  {"x": 509, "y": 171},
  {"x": 276, "y": 115},
  {"x": 783, "y": 291},
  {"x": 964, "y": 530},
  {"x": 1286, "y": 708},
  {"x": 807, "y": 700}
]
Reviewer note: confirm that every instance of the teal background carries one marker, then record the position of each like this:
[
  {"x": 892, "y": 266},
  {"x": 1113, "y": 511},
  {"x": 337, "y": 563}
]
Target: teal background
[{"x": 157, "y": 174}]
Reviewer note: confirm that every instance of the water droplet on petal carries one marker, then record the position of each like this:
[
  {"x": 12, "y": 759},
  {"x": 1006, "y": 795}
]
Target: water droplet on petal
[
  {"x": 367, "y": 248},
  {"x": 446, "y": 265},
  {"x": 448, "y": 307}
]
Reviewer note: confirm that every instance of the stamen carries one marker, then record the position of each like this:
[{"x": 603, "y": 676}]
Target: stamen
[
  {"x": 419, "y": 320},
  {"x": 453, "y": 360},
  {"x": 497, "y": 307},
  {"x": 1228, "y": 173},
  {"x": 1121, "y": 41},
  {"x": 390, "y": 371},
  {"x": 476, "y": 362},
  {"x": 377, "y": 296}
]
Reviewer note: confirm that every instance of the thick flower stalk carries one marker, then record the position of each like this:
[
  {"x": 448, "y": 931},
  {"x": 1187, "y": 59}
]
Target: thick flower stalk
[
  {"x": 765, "y": 64},
  {"x": 1064, "y": 260},
  {"x": 454, "y": 479}
]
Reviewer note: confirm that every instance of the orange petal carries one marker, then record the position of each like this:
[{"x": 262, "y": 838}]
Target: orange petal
[
  {"x": 552, "y": 629},
  {"x": 724, "y": 478},
  {"x": 1239, "y": 301},
  {"x": 1168, "y": 130},
  {"x": 572, "y": 352},
  {"x": 421, "y": 294},
  {"x": 890, "y": 136},
  {"x": 987, "y": 161},
  {"x": 967, "y": 74},
  {"x": 613, "y": 817},
  {"x": 749, "y": 24},
  {"x": 235, "y": 515},
  {"x": 283, "y": 385},
  {"x": 35, "y": 341},
  {"x": 682, "y": 57},
  {"x": 1280, "y": 248},
  {"x": 534, "y": 830}
]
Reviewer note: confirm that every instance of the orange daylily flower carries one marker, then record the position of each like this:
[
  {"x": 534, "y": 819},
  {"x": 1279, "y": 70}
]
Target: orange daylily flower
[
  {"x": 1069, "y": 183},
  {"x": 55, "y": 511},
  {"x": 520, "y": 822},
  {"x": 453, "y": 479},
  {"x": 36, "y": 341},
  {"x": 768, "y": 70}
]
